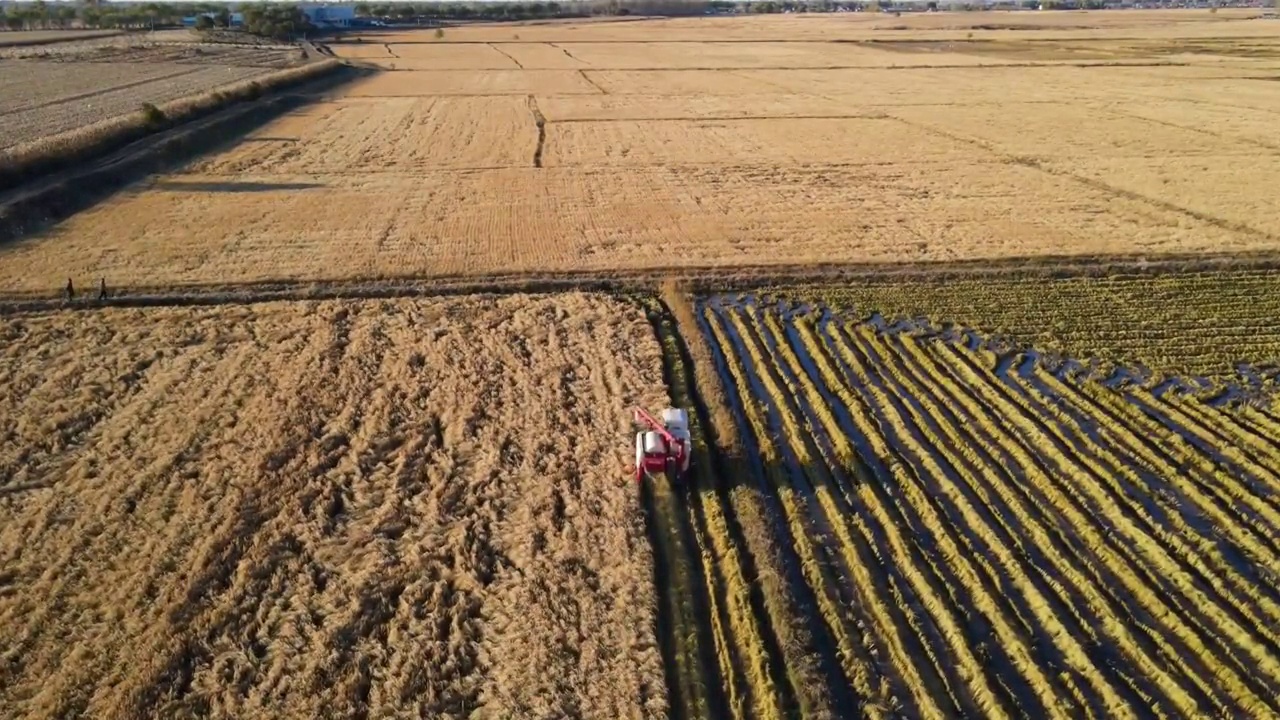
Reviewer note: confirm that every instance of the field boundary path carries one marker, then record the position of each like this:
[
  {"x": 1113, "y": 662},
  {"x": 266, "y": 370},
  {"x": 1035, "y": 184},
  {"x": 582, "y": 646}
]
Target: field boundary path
[{"x": 702, "y": 279}]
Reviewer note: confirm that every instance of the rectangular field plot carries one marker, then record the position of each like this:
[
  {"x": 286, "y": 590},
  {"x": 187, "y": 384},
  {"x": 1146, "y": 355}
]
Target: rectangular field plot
[
  {"x": 601, "y": 218},
  {"x": 361, "y": 51},
  {"x": 745, "y": 142},
  {"x": 943, "y": 86},
  {"x": 452, "y": 57},
  {"x": 693, "y": 107},
  {"x": 60, "y": 82},
  {"x": 681, "y": 82},
  {"x": 1231, "y": 123},
  {"x": 542, "y": 56},
  {"x": 1233, "y": 190},
  {"x": 986, "y": 535},
  {"x": 472, "y": 82},
  {"x": 1222, "y": 90},
  {"x": 329, "y": 509},
  {"x": 726, "y": 55},
  {"x": 428, "y": 133},
  {"x": 1054, "y": 131}
]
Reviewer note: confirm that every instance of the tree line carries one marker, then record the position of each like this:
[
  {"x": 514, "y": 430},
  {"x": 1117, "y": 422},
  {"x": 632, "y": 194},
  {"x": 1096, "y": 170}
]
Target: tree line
[
  {"x": 41, "y": 15},
  {"x": 266, "y": 19},
  {"x": 286, "y": 21}
]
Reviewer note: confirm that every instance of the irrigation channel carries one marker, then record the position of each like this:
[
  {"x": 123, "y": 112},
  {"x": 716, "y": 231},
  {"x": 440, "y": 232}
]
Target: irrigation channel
[{"x": 909, "y": 524}]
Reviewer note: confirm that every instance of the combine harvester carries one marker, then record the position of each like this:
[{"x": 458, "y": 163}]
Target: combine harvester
[{"x": 666, "y": 447}]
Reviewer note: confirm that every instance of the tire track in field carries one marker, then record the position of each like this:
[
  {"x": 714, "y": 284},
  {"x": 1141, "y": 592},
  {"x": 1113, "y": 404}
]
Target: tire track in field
[
  {"x": 745, "y": 650},
  {"x": 1192, "y": 494},
  {"x": 829, "y": 487},
  {"x": 923, "y": 520},
  {"x": 1072, "y": 558},
  {"x": 1116, "y": 479},
  {"x": 696, "y": 627}
]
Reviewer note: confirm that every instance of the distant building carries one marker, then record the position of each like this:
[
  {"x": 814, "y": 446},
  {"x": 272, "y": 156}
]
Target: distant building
[{"x": 329, "y": 16}]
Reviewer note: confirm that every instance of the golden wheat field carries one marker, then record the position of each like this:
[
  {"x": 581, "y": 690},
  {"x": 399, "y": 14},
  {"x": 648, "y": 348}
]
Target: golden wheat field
[
  {"x": 327, "y": 509},
  {"x": 721, "y": 143}
]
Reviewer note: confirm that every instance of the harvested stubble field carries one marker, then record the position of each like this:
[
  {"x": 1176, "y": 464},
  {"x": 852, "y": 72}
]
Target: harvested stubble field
[
  {"x": 722, "y": 142},
  {"x": 327, "y": 509},
  {"x": 49, "y": 90},
  {"x": 943, "y": 531}
]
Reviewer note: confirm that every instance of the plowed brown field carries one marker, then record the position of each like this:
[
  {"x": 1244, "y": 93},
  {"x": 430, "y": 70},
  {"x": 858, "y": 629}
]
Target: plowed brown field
[
  {"x": 328, "y": 509},
  {"x": 46, "y": 90}
]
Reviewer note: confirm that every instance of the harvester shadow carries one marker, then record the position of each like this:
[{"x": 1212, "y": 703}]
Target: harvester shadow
[{"x": 667, "y": 581}]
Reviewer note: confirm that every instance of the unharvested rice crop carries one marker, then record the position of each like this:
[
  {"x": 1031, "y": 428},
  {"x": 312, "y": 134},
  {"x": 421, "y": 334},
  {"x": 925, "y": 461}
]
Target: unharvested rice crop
[
  {"x": 327, "y": 509},
  {"x": 970, "y": 533},
  {"x": 1216, "y": 325}
]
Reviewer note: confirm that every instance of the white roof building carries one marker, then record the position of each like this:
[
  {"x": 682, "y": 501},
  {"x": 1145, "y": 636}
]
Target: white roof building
[{"x": 329, "y": 15}]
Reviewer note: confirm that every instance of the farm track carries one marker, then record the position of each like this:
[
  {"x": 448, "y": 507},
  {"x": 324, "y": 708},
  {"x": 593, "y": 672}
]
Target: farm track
[
  {"x": 983, "y": 536},
  {"x": 1022, "y": 270}
]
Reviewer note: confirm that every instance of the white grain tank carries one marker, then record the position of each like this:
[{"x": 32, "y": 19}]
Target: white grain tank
[
  {"x": 654, "y": 444},
  {"x": 677, "y": 422}
]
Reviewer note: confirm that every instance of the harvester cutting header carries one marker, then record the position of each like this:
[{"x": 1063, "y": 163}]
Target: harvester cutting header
[{"x": 666, "y": 447}]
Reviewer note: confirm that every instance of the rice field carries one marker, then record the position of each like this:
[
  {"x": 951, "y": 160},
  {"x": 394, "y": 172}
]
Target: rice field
[
  {"x": 958, "y": 532},
  {"x": 1022, "y": 465},
  {"x": 718, "y": 145},
  {"x": 1204, "y": 328},
  {"x": 327, "y": 509}
]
